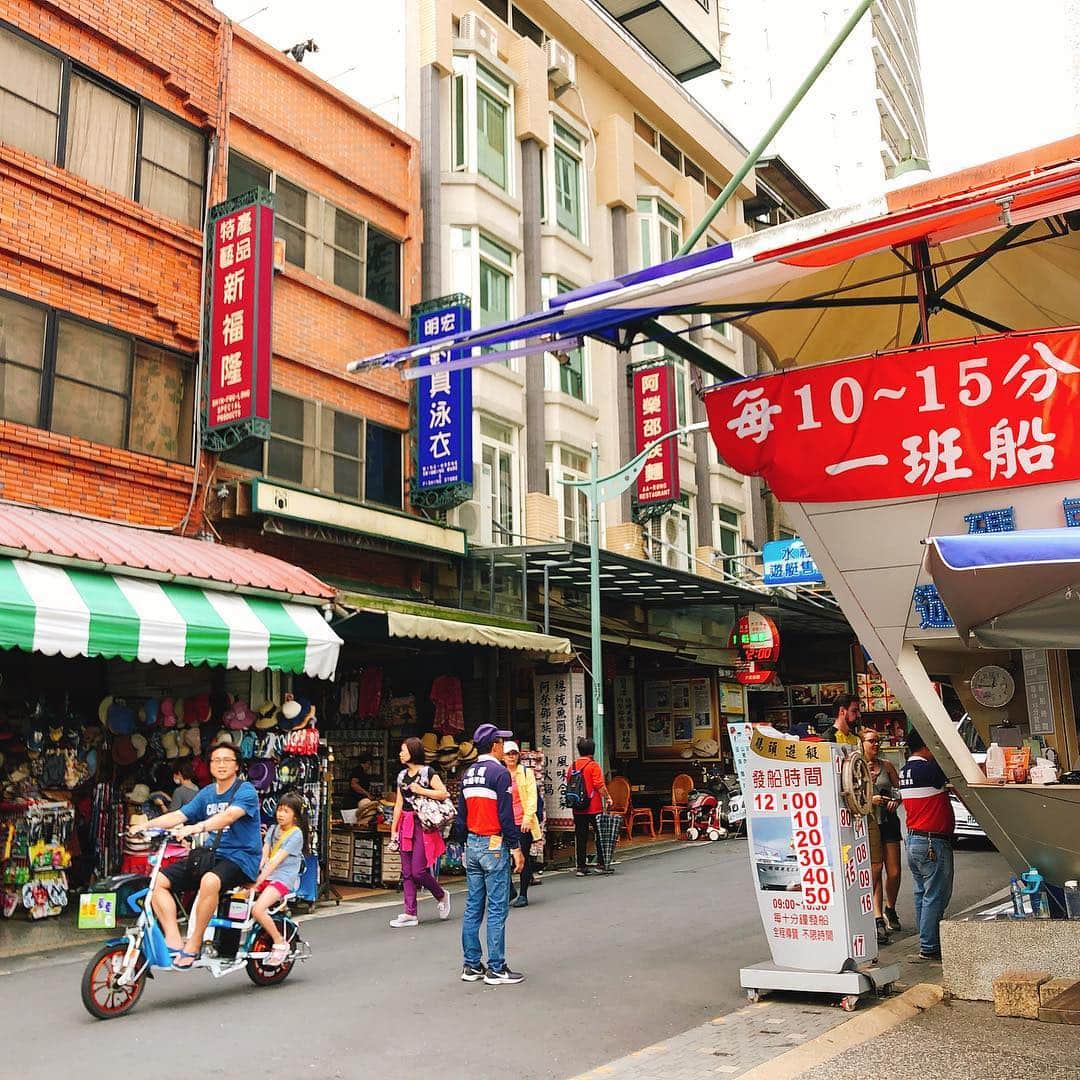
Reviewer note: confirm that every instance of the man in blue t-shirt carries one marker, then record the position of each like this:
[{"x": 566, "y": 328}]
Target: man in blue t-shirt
[{"x": 230, "y": 805}]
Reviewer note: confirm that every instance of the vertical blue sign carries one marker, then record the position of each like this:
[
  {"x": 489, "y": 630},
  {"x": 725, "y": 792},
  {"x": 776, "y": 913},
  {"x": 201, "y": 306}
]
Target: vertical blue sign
[{"x": 444, "y": 405}]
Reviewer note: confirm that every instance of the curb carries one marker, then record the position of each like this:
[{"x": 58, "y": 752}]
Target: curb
[{"x": 889, "y": 1013}]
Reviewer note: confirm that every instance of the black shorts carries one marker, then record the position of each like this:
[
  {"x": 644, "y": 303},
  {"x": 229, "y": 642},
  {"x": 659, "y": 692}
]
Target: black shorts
[
  {"x": 890, "y": 829},
  {"x": 183, "y": 878}
]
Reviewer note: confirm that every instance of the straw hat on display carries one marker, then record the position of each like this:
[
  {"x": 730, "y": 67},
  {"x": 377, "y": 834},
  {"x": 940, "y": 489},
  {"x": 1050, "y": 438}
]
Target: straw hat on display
[
  {"x": 139, "y": 743},
  {"x": 706, "y": 747},
  {"x": 266, "y": 716},
  {"x": 140, "y": 793},
  {"x": 170, "y": 743},
  {"x": 467, "y": 753}
]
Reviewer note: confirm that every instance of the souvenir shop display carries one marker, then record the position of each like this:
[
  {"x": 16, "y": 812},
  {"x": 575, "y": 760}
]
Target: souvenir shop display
[{"x": 34, "y": 858}]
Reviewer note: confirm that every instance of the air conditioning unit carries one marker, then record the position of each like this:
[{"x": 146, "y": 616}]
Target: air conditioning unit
[
  {"x": 474, "y": 516},
  {"x": 479, "y": 33},
  {"x": 560, "y": 64}
]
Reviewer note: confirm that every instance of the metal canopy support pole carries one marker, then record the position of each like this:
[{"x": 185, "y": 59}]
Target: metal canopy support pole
[
  {"x": 595, "y": 658},
  {"x": 755, "y": 154}
]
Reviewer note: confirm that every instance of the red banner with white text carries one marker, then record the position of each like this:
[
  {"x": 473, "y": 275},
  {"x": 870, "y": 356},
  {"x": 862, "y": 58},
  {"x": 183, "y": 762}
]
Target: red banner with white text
[
  {"x": 655, "y": 415},
  {"x": 994, "y": 412}
]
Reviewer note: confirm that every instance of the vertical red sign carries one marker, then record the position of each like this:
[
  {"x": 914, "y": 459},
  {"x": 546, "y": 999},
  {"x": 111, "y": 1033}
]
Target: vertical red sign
[
  {"x": 241, "y": 285},
  {"x": 654, "y": 415}
]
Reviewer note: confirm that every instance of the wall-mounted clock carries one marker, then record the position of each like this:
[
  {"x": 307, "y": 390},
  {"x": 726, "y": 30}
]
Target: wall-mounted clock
[{"x": 992, "y": 686}]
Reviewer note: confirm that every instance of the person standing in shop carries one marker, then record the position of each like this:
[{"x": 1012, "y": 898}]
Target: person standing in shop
[
  {"x": 845, "y": 727},
  {"x": 523, "y": 795},
  {"x": 485, "y": 819},
  {"x": 925, "y": 789},
  {"x": 420, "y": 847},
  {"x": 598, "y": 800},
  {"x": 359, "y": 793}
]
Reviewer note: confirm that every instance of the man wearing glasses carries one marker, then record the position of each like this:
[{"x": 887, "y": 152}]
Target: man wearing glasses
[{"x": 228, "y": 807}]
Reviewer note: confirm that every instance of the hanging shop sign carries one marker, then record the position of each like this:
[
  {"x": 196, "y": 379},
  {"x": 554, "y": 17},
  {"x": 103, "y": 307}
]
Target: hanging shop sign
[
  {"x": 626, "y": 740},
  {"x": 787, "y": 562},
  {"x": 443, "y": 409},
  {"x": 559, "y": 704},
  {"x": 238, "y": 353},
  {"x": 655, "y": 415},
  {"x": 809, "y": 856},
  {"x": 997, "y": 412},
  {"x": 757, "y": 641}
]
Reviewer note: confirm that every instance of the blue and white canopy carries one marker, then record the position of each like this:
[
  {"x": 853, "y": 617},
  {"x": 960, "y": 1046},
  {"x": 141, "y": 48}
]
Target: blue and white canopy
[{"x": 1013, "y": 589}]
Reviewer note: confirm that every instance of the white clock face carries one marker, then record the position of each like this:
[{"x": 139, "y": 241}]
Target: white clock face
[{"x": 992, "y": 686}]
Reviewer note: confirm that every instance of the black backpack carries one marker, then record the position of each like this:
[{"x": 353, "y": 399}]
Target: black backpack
[{"x": 575, "y": 797}]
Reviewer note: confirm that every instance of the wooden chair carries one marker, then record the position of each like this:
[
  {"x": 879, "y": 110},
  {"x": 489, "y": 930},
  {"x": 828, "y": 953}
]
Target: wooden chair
[
  {"x": 619, "y": 790},
  {"x": 676, "y": 811}
]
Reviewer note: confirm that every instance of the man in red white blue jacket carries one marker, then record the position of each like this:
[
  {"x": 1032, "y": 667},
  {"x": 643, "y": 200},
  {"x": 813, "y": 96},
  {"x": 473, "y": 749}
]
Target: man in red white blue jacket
[
  {"x": 925, "y": 789},
  {"x": 485, "y": 820}
]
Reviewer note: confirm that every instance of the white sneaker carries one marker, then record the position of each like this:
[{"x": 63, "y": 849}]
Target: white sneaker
[
  {"x": 404, "y": 920},
  {"x": 444, "y": 907}
]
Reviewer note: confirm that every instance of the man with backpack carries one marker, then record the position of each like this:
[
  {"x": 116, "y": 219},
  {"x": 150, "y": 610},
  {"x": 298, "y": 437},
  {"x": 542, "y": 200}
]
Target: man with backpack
[{"x": 587, "y": 795}]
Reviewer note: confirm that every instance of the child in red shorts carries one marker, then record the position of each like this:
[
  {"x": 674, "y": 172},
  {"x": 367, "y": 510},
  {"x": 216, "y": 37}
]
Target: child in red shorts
[{"x": 279, "y": 875}]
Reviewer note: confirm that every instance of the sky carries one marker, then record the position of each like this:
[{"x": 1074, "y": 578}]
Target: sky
[{"x": 995, "y": 82}]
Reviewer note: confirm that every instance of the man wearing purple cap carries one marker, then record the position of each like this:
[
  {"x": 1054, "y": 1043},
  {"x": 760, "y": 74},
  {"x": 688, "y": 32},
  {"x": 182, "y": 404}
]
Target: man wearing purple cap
[{"x": 485, "y": 819}]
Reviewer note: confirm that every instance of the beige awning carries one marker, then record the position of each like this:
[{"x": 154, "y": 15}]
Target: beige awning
[{"x": 426, "y": 628}]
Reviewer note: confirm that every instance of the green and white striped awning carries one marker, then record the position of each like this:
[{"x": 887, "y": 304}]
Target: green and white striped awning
[{"x": 58, "y": 609}]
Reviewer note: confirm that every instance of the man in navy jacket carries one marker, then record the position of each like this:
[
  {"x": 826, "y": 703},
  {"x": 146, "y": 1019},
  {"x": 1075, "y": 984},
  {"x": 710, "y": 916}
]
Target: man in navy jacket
[{"x": 485, "y": 820}]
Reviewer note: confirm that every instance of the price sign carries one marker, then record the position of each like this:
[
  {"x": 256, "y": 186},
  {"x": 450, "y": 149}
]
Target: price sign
[{"x": 97, "y": 911}]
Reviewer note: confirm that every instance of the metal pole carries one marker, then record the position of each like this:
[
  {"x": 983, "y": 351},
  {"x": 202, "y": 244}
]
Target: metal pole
[
  {"x": 594, "y": 605},
  {"x": 774, "y": 127}
]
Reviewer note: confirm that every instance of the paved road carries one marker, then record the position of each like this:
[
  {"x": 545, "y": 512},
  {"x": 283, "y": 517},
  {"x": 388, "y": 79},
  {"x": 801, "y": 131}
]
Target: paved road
[{"x": 613, "y": 964}]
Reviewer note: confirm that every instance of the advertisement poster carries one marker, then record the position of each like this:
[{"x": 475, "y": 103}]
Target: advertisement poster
[
  {"x": 809, "y": 856},
  {"x": 739, "y": 737},
  {"x": 559, "y": 703},
  {"x": 680, "y": 714},
  {"x": 626, "y": 741},
  {"x": 701, "y": 703},
  {"x": 733, "y": 702},
  {"x": 996, "y": 412},
  {"x": 659, "y": 729}
]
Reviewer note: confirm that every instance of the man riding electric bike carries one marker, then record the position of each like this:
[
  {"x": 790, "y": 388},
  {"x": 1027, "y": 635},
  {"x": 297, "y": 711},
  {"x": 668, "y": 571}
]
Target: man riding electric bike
[{"x": 228, "y": 807}]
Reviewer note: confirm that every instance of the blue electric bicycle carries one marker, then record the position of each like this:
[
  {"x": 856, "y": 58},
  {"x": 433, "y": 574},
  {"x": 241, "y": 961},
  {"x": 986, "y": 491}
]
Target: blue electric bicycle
[{"x": 116, "y": 975}]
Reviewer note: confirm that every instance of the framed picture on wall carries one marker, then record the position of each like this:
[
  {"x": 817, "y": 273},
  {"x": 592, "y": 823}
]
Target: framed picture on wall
[{"x": 803, "y": 694}]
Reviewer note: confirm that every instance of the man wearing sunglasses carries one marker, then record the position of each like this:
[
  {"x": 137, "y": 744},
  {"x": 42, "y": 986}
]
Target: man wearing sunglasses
[{"x": 228, "y": 807}]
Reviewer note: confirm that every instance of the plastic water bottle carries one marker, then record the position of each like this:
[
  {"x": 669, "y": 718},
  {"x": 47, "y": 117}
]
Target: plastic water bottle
[
  {"x": 1072, "y": 899},
  {"x": 1034, "y": 892},
  {"x": 1017, "y": 895}
]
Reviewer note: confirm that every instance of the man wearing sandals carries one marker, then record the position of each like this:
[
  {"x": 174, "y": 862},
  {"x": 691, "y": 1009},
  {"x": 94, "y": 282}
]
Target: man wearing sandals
[{"x": 230, "y": 807}]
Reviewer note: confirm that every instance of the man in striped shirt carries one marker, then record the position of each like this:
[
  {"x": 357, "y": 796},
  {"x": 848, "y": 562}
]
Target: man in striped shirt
[
  {"x": 485, "y": 819},
  {"x": 925, "y": 789}
]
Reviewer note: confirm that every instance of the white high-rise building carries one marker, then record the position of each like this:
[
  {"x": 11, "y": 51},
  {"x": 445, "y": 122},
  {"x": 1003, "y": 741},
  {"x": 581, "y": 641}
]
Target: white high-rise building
[{"x": 863, "y": 117}]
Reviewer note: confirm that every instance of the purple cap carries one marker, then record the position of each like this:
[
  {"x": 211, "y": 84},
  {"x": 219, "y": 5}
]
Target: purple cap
[{"x": 487, "y": 734}]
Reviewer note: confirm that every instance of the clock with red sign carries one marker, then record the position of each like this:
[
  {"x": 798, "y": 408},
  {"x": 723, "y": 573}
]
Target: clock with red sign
[{"x": 757, "y": 641}]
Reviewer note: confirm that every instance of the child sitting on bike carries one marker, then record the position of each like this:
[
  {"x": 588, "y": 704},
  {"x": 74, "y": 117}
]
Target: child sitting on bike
[{"x": 279, "y": 875}]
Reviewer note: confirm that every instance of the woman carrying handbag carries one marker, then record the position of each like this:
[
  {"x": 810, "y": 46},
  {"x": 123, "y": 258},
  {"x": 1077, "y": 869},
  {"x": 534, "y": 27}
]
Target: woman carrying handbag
[{"x": 420, "y": 846}]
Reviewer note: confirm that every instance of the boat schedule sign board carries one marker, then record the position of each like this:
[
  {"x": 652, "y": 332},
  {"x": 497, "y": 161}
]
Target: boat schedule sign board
[
  {"x": 559, "y": 706},
  {"x": 809, "y": 855},
  {"x": 997, "y": 412},
  {"x": 241, "y": 286}
]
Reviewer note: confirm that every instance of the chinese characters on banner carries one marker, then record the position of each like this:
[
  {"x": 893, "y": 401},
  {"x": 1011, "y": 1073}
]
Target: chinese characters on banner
[
  {"x": 626, "y": 744},
  {"x": 654, "y": 415},
  {"x": 995, "y": 413},
  {"x": 241, "y": 286},
  {"x": 443, "y": 405},
  {"x": 787, "y": 562},
  {"x": 809, "y": 855},
  {"x": 559, "y": 705}
]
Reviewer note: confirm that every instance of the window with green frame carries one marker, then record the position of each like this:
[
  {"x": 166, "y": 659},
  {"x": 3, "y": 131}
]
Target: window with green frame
[
  {"x": 571, "y": 378},
  {"x": 567, "y": 160},
  {"x": 661, "y": 231},
  {"x": 492, "y": 121},
  {"x": 495, "y": 278}
]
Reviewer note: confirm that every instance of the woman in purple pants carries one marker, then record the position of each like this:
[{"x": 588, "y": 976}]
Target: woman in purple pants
[{"x": 420, "y": 847}]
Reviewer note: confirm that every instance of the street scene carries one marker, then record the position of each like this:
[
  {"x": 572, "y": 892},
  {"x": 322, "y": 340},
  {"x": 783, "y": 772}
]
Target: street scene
[{"x": 540, "y": 537}]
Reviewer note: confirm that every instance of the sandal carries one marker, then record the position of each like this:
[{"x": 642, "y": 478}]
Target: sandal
[
  {"x": 278, "y": 955},
  {"x": 192, "y": 956}
]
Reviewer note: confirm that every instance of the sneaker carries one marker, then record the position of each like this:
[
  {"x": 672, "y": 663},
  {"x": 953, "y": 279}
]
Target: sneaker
[
  {"x": 444, "y": 907},
  {"x": 924, "y": 958},
  {"x": 404, "y": 919},
  {"x": 504, "y": 977},
  {"x": 605, "y": 869},
  {"x": 581, "y": 873},
  {"x": 521, "y": 901},
  {"x": 892, "y": 919},
  {"x": 471, "y": 973}
]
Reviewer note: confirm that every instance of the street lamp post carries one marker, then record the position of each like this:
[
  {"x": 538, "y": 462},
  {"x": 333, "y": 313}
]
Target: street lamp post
[{"x": 599, "y": 489}]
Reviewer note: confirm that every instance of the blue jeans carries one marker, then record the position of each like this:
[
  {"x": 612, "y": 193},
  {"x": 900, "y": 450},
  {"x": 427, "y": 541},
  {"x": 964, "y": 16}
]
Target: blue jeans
[
  {"x": 487, "y": 873},
  {"x": 932, "y": 881}
]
